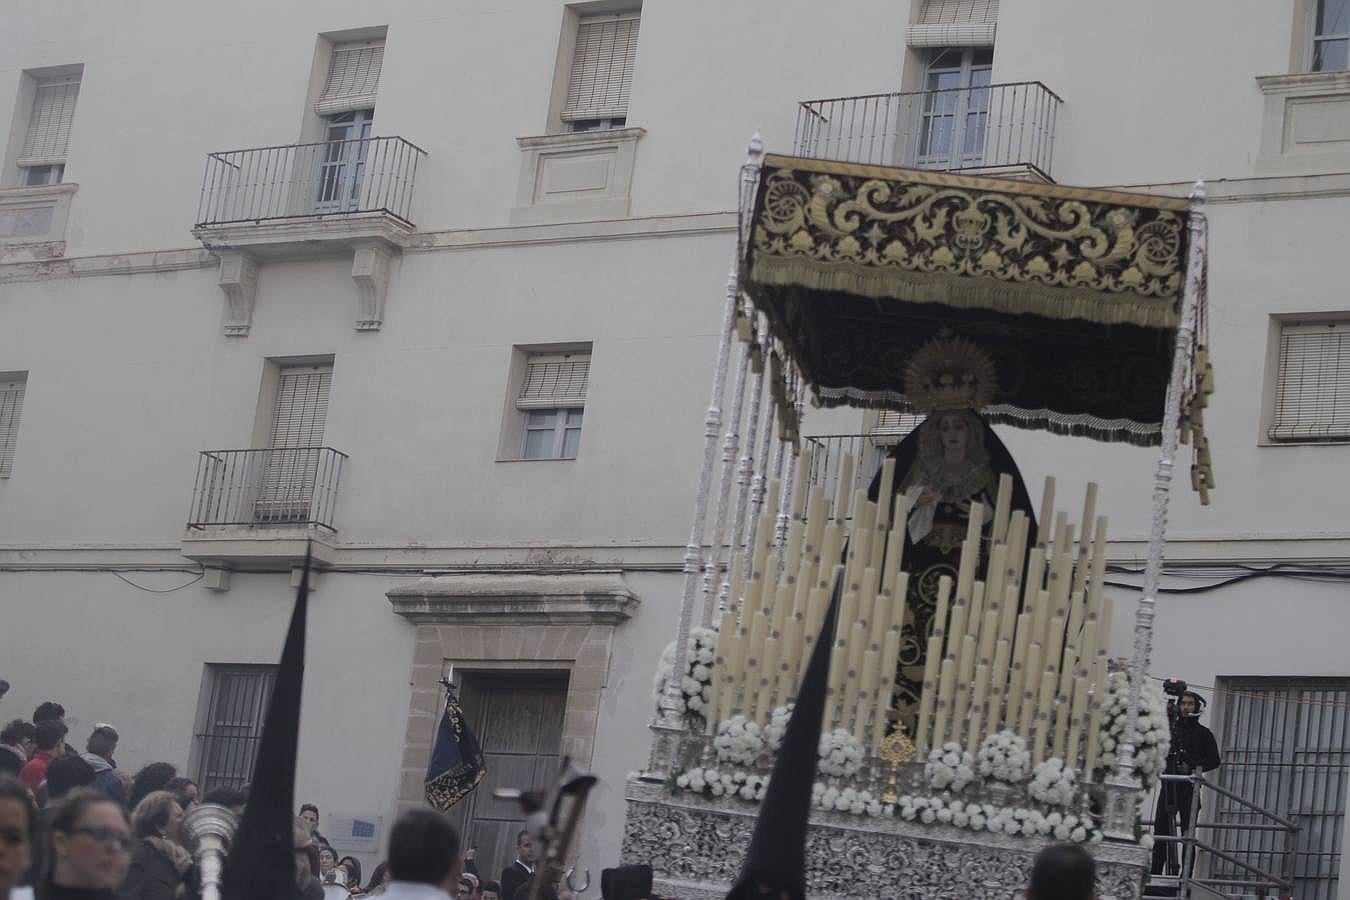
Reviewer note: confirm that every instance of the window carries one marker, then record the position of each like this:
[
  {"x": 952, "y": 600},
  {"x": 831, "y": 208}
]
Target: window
[
  {"x": 551, "y": 399},
  {"x": 43, "y": 157},
  {"x": 1312, "y": 383},
  {"x": 11, "y": 406},
  {"x": 954, "y": 23},
  {"x": 1331, "y": 36},
  {"x": 891, "y": 427},
  {"x": 955, "y": 112},
  {"x": 232, "y": 724},
  {"x": 347, "y": 104},
  {"x": 295, "y": 445},
  {"x": 602, "y": 72},
  {"x": 1284, "y": 750}
]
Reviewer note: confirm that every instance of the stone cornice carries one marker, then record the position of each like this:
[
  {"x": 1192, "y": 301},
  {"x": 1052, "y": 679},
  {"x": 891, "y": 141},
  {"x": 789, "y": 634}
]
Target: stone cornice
[{"x": 598, "y": 598}]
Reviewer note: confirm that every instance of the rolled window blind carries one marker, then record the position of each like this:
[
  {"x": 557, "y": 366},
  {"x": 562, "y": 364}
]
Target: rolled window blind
[
  {"x": 1312, "y": 388},
  {"x": 555, "y": 381},
  {"x": 302, "y": 406},
  {"x": 353, "y": 78},
  {"x": 955, "y": 23},
  {"x": 602, "y": 68},
  {"x": 11, "y": 406},
  {"x": 892, "y": 425},
  {"x": 48, "y": 136}
]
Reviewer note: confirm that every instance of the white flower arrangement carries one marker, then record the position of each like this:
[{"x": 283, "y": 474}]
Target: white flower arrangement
[
  {"x": 841, "y": 754},
  {"x": 777, "y": 727},
  {"x": 848, "y": 800},
  {"x": 723, "y": 783},
  {"x": 739, "y": 741},
  {"x": 1014, "y": 821},
  {"x": 696, "y": 685},
  {"x": 1004, "y": 757},
  {"x": 1152, "y": 738},
  {"x": 1054, "y": 783},
  {"x": 949, "y": 768}
]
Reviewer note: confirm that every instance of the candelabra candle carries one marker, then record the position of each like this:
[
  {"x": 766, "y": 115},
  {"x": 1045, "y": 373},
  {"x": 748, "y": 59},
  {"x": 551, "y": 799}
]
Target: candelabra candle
[
  {"x": 829, "y": 555},
  {"x": 789, "y": 659},
  {"x": 799, "y": 486},
  {"x": 960, "y": 609},
  {"x": 970, "y": 555},
  {"x": 988, "y": 638},
  {"x": 1002, "y": 507},
  {"x": 1077, "y": 714},
  {"x": 965, "y": 673},
  {"x": 895, "y": 547},
  {"x": 998, "y": 683},
  {"x": 1068, "y": 668},
  {"x": 886, "y": 490},
  {"x": 1047, "y": 511},
  {"x": 1040, "y": 619},
  {"x": 867, "y": 691},
  {"x": 1094, "y": 725},
  {"x": 1027, "y": 708},
  {"x": 736, "y": 589},
  {"x": 996, "y": 577},
  {"x": 1034, "y": 579},
  {"x": 792, "y": 549},
  {"x": 843, "y": 488},
  {"x": 1094, "y": 603},
  {"x": 781, "y": 610},
  {"x": 975, "y": 720},
  {"x": 726, "y": 632},
  {"x": 890, "y": 655},
  {"x": 1017, "y": 546},
  {"x": 946, "y": 694},
  {"x": 930, "y": 689},
  {"x": 1017, "y": 668},
  {"x": 1085, "y": 524},
  {"x": 1054, "y": 644},
  {"x": 1087, "y": 649},
  {"x": 1060, "y": 570},
  {"x": 867, "y": 598},
  {"x": 975, "y": 615},
  {"x": 1044, "y": 708},
  {"x": 848, "y": 616},
  {"x": 857, "y": 646},
  {"x": 1077, "y": 609},
  {"x": 1063, "y": 707},
  {"x": 1008, "y": 613},
  {"x": 811, "y": 628},
  {"x": 806, "y": 581},
  {"x": 726, "y": 705},
  {"x": 860, "y": 539},
  {"x": 768, "y": 677},
  {"x": 940, "y": 614}
]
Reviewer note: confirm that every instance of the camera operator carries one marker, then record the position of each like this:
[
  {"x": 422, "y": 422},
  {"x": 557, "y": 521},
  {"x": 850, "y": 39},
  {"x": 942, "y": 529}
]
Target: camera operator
[{"x": 1193, "y": 747}]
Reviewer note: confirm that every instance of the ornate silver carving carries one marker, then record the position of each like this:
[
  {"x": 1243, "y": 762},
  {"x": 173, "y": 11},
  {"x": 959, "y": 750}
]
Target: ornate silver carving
[{"x": 696, "y": 848}]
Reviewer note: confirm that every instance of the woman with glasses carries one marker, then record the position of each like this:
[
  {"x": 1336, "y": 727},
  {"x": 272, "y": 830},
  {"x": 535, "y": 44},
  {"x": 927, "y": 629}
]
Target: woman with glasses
[
  {"x": 90, "y": 841},
  {"x": 159, "y": 864},
  {"x": 16, "y": 832}
]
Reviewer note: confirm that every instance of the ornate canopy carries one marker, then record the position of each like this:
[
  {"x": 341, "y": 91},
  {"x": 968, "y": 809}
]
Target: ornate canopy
[{"x": 1075, "y": 293}]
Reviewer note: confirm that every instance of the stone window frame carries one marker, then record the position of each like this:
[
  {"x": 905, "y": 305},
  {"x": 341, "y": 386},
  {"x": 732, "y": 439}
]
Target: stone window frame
[{"x": 509, "y": 623}]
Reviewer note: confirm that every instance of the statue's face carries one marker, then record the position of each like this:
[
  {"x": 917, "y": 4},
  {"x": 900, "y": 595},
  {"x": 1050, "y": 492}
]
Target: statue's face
[{"x": 954, "y": 432}]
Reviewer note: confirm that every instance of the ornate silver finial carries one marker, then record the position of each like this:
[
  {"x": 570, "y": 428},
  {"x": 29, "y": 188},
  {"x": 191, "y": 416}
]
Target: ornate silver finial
[
  {"x": 1199, "y": 192},
  {"x": 754, "y": 151},
  {"x": 213, "y": 826}
]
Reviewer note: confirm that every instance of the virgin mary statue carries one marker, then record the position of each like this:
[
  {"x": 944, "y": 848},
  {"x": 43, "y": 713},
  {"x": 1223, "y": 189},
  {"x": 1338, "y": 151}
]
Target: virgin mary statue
[{"x": 950, "y": 461}]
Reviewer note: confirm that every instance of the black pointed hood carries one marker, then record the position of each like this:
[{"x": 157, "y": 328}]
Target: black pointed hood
[
  {"x": 775, "y": 865},
  {"x": 261, "y": 864}
]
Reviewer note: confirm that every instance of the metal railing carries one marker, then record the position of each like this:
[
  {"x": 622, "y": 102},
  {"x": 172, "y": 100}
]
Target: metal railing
[
  {"x": 1255, "y": 881},
  {"x": 293, "y": 486},
  {"x": 308, "y": 181},
  {"x": 867, "y": 450},
  {"x": 991, "y": 127}
]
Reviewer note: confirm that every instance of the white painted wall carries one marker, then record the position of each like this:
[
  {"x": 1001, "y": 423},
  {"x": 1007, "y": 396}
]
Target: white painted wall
[{"x": 130, "y": 376}]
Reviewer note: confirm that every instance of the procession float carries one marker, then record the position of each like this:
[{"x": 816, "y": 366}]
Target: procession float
[{"x": 973, "y": 713}]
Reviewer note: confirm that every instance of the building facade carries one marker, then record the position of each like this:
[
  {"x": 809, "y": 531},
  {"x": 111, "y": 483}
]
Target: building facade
[{"x": 440, "y": 289}]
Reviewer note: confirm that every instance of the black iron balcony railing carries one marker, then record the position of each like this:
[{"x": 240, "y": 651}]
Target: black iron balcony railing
[
  {"x": 310, "y": 181},
  {"x": 293, "y": 486},
  {"x": 986, "y": 128}
]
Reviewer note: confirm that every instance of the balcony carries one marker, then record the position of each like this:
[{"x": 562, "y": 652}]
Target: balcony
[
  {"x": 997, "y": 129},
  {"x": 330, "y": 198},
  {"x": 252, "y": 508}
]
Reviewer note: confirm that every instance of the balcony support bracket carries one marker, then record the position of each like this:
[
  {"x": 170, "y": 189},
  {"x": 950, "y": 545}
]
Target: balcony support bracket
[
  {"x": 239, "y": 283},
  {"x": 371, "y": 262}
]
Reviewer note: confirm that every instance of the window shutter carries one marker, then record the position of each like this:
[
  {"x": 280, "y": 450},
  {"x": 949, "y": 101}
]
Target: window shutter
[
  {"x": 353, "y": 78},
  {"x": 602, "y": 68},
  {"x": 955, "y": 23},
  {"x": 1312, "y": 388},
  {"x": 11, "y": 406},
  {"x": 301, "y": 407},
  {"x": 49, "y": 126},
  {"x": 554, "y": 381}
]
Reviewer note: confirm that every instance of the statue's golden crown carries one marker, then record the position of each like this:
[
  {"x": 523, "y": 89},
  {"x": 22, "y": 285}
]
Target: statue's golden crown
[{"x": 950, "y": 372}]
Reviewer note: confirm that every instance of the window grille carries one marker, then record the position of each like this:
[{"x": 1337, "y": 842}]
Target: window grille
[
  {"x": 233, "y": 725},
  {"x": 555, "y": 381},
  {"x": 11, "y": 407},
  {"x": 1312, "y": 383},
  {"x": 353, "y": 78},
  {"x": 955, "y": 23},
  {"x": 602, "y": 68},
  {"x": 48, "y": 136},
  {"x": 1331, "y": 36},
  {"x": 1286, "y": 748}
]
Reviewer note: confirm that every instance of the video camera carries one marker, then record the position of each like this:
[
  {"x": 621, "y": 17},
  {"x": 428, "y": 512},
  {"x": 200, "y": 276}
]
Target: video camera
[{"x": 1177, "y": 762}]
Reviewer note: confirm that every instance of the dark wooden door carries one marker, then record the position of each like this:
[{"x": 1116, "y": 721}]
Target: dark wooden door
[{"x": 518, "y": 720}]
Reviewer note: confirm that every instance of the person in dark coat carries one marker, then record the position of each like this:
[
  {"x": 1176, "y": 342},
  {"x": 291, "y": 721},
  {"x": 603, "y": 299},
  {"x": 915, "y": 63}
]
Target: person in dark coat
[
  {"x": 520, "y": 870},
  {"x": 1193, "y": 747},
  {"x": 159, "y": 863},
  {"x": 16, "y": 745},
  {"x": 89, "y": 842}
]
